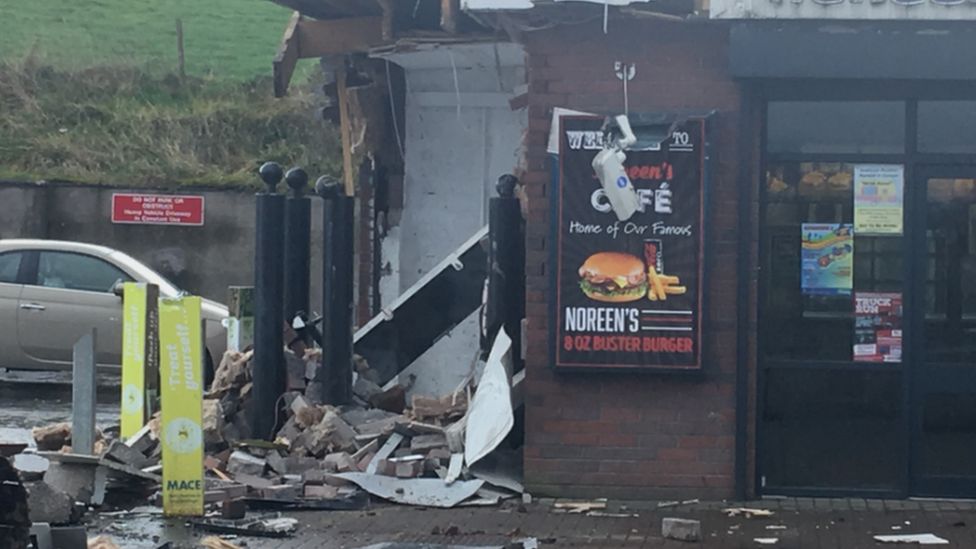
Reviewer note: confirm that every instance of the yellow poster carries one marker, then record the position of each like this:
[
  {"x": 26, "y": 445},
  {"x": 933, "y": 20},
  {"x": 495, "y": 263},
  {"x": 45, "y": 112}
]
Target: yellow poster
[
  {"x": 133, "y": 358},
  {"x": 878, "y": 199},
  {"x": 181, "y": 373}
]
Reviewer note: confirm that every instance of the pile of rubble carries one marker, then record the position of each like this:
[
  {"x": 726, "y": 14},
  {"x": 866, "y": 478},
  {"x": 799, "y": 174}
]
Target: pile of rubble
[{"x": 322, "y": 457}]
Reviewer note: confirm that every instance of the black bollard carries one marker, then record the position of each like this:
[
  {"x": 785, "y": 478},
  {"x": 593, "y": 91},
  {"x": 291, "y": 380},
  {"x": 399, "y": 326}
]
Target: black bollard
[
  {"x": 333, "y": 380},
  {"x": 506, "y": 267},
  {"x": 269, "y": 360},
  {"x": 298, "y": 211}
]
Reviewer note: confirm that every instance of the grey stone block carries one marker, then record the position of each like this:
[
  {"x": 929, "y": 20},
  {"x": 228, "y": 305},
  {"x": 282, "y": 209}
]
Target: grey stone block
[{"x": 681, "y": 529}]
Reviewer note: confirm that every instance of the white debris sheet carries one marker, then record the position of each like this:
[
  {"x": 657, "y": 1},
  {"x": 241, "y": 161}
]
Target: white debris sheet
[{"x": 916, "y": 539}]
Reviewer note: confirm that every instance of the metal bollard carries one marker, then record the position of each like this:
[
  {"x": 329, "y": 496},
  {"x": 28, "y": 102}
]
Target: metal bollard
[
  {"x": 506, "y": 267},
  {"x": 269, "y": 360},
  {"x": 298, "y": 227},
  {"x": 334, "y": 377}
]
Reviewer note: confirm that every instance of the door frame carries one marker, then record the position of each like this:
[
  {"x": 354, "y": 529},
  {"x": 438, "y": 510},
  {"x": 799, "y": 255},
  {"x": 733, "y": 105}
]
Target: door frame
[
  {"x": 915, "y": 164},
  {"x": 920, "y": 377}
]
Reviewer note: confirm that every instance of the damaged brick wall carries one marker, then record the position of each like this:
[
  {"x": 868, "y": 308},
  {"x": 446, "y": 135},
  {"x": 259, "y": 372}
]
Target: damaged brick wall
[{"x": 628, "y": 435}]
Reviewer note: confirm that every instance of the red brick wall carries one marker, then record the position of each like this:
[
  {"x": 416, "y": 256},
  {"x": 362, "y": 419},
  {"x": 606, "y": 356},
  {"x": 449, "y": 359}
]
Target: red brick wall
[{"x": 629, "y": 435}]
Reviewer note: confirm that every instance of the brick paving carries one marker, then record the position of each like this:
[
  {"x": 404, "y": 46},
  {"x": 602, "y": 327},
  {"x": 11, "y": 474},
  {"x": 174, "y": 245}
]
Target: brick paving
[
  {"x": 796, "y": 523},
  {"x": 826, "y": 524}
]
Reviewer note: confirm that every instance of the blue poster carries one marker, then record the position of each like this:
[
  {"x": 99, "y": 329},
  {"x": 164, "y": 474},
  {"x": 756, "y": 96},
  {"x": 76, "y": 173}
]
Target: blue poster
[{"x": 827, "y": 261}]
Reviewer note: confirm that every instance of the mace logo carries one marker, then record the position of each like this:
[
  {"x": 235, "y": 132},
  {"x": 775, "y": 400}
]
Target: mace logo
[{"x": 184, "y": 485}]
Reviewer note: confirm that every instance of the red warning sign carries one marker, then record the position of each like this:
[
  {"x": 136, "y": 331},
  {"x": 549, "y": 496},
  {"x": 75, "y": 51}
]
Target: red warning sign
[{"x": 157, "y": 209}]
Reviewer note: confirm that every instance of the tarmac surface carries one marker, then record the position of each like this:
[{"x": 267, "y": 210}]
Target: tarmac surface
[{"x": 29, "y": 399}]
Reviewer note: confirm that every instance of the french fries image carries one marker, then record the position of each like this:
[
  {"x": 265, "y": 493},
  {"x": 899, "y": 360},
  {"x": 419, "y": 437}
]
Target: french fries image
[{"x": 660, "y": 286}]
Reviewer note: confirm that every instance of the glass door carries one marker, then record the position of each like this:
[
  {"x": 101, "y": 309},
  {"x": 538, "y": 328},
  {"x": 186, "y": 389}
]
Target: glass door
[{"x": 944, "y": 370}]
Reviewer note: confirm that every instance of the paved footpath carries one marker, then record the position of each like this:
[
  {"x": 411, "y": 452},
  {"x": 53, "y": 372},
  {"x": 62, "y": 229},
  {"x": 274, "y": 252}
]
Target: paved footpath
[{"x": 796, "y": 523}]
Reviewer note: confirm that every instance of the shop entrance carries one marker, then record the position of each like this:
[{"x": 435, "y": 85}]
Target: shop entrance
[
  {"x": 944, "y": 372},
  {"x": 867, "y": 302}
]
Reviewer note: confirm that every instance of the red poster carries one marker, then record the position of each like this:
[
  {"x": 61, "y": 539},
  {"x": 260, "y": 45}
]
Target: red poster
[
  {"x": 157, "y": 209},
  {"x": 877, "y": 327}
]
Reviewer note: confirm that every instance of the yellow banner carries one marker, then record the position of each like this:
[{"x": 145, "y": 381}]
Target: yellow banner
[
  {"x": 181, "y": 376},
  {"x": 133, "y": 358}
]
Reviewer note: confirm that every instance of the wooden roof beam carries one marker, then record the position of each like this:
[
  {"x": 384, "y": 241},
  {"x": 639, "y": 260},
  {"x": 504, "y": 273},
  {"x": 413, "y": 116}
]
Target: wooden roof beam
[{"x": 308, "y": 38}]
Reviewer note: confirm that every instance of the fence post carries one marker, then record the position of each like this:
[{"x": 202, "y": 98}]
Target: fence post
[
  {"x": 334, "y": 376},
  {"x": 506, "y": 267},
  {"x": 83, "y": 394},
  {"x": 268, "y": 370}
]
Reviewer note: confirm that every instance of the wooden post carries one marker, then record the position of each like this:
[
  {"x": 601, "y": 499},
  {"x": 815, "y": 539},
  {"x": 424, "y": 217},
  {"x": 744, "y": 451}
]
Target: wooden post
[
  {"x": 179, "y": 48},
  {"x": 345, "y": 128},
  {"x": 83, "y": 395}
]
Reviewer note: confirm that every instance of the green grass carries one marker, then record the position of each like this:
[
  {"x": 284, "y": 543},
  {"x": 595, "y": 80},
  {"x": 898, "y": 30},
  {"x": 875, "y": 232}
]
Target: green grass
[
  {"x": 226, "y": 39},
  {"x": 130, "y": 126},
  {"x": 89, "y": 92}
]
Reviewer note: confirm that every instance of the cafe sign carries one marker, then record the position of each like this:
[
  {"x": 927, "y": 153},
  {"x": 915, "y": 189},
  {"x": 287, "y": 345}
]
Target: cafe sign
[{"x": 628, "y": 294}]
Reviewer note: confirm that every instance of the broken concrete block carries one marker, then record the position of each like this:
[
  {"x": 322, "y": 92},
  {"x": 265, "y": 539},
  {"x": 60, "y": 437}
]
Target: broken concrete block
[
  {"x": 393, "y": 399},
  {"x": 424, "y": 443},
  {"x": 309, "y": 416},
  {"x": 440, "y": 453},
  {"x": 298, "y": 404},
  {"x": 409, "y": 469},
  {"x": 30, "y": 466},
  {"x": 213, "y": 422},
  {"x": 365, "y": 389},
  {"x": 48, "y": 504},
  {"x": 276, "y": 462},
  {"x": 295, "y": 371},
  {"x": 332, "y": 434},
  {"x": 321, "y": 491},
  {"x": 244, "y": 463},
  {"x": 255, "y": 482},
  {"x": 384, "y": 467},
  {"x": 296, "y": 465},
  {"x": 79, "y": 480},
  {"x": 450, "y": 406},
  {"x": 681, "y": 529},
  {"x": 123, "y": 453},
  {"x": 233, "y": 508},
  {"x": 341, "y": 461},
  {"x": 286, "y": 492},
  {"x": 314, "y": 476},
  {"x": 233, "y": 372},
  {"x": 52, "y": 437}
]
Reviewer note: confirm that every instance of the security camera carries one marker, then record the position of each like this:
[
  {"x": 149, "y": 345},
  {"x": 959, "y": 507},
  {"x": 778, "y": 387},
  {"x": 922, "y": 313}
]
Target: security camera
[{"x": 609, "y": 167}]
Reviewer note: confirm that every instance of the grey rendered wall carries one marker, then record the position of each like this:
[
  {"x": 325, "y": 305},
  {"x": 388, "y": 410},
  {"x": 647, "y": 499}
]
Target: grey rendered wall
[
  {"x": 202, "y": 260},
  {"x": 461, "y": 134}
]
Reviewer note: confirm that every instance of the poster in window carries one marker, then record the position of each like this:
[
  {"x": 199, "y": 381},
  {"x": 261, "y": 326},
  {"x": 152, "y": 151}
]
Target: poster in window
[
  {"x": 878, "y": 199},
  {"x": 877, "y": 327},
  {"x": 827, "y": 258},
  {"x": 628, "y": 294}
]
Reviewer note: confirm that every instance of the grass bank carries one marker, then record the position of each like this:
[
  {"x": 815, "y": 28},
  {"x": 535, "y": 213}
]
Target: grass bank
[{"x": 139, "y": 127}]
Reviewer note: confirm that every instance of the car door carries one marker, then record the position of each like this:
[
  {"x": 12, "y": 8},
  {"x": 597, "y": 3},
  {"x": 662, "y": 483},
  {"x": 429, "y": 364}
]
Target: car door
[
  {"x": 10, "y": 288},
  {"x": 70, "y": 294}
]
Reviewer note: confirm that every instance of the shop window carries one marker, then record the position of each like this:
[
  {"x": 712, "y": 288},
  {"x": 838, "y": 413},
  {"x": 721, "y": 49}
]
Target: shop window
[
  {"x": 803, "y": 323},
  {"x": 836, "y": 127},
  {"x": 947, "y": 127}
]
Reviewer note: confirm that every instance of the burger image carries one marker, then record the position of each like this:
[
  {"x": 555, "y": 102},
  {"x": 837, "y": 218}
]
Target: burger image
[{"x": 613, "y": 277}]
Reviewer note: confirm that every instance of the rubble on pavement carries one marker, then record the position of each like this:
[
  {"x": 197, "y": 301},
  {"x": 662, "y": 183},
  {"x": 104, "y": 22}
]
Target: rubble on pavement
[{"x": 322, "y": 456}]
